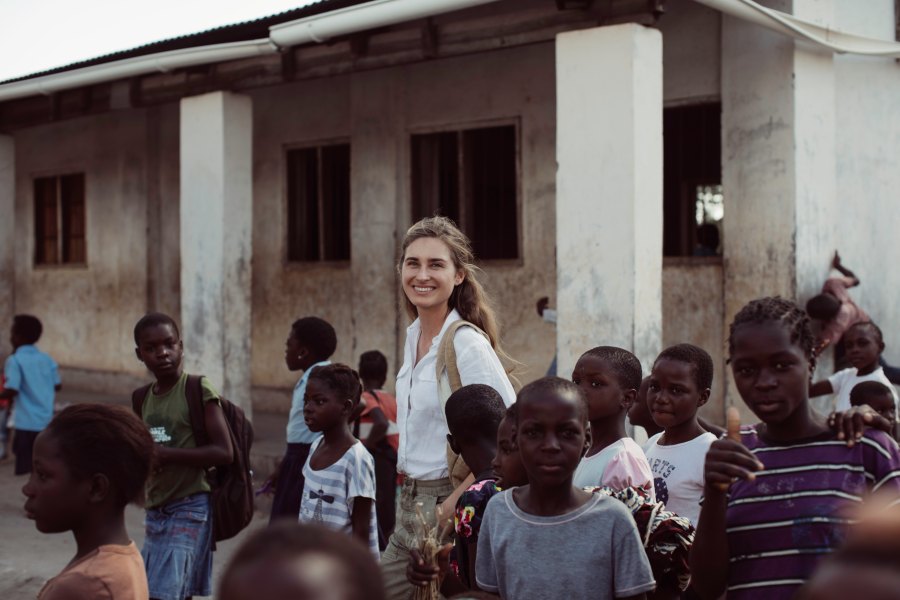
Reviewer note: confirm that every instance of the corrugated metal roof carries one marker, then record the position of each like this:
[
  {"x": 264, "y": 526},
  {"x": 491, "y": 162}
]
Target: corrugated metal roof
[{"x": 237, "y": 32}]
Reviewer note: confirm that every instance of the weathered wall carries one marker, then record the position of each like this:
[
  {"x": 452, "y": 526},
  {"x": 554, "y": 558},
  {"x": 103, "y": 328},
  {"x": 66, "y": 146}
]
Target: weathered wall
[
  {"x": 7, "y": 237},
  {"x": 88, "y": 312},
  {"x": 691, "y": 52},
  {"x": 377, "y": 111},
  {"x": 693, "y": 313},
  {"x": 868, "y": 152}
]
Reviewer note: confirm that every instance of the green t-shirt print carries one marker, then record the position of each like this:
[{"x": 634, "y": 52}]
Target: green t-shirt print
[{"x": 169, "y": 421}]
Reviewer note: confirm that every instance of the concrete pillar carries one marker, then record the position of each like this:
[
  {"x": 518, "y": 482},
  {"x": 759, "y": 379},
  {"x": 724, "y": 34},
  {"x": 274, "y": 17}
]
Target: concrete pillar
[
  {"x": 7, "y": 239},
  {"x": 216, "y": 250},
  {"x": 609, "y": 191},
  {"x": 778, "y": 163},
  {"x": 375, "y": 194}
]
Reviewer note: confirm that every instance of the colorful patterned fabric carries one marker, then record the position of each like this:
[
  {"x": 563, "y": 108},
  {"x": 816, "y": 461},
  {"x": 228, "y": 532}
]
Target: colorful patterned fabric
[
  {"x": 667, "y": 538},
  {"x": 467, "y": 523}
]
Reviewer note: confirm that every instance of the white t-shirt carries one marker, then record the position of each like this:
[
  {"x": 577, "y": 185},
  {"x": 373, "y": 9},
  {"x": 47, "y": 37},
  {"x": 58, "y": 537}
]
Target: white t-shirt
[
  {"x": 420, "y": 415},
  {"x": 843, "y": 381},
  {"x": 620, "y": 465},
  {"x": 678, "y": 473},
  {"x": 328, "y": 493}
]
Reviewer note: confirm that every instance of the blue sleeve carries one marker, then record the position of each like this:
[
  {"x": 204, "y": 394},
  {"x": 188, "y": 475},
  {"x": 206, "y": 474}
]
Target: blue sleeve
[{"x": 13, "y": 374}]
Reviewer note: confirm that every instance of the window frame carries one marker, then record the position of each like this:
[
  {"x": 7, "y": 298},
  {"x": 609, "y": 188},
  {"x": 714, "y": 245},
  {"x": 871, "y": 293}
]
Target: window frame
[
  {"x": 58, "y": 175},
  {"x": 460, "y": 127},
  {"x": 317, "y": 145}
]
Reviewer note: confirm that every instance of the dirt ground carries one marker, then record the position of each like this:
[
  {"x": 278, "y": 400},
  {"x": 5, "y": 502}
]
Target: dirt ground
[{"x": 29, "y": 558}]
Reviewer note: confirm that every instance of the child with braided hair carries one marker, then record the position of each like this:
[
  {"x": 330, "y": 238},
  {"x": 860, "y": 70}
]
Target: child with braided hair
[{"x": 776, "y": 501}]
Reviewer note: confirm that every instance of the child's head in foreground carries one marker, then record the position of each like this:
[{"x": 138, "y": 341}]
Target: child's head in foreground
[
  {"x": 373, "y": 369},
  {"x": 332, "y": 392},
  {"x": 287, "y": 561},
  {"x": 552, "y": 431},
  {"x": 90, "y": 462},
  {"x": 507, "y": 465},
  {"x": 770, "y": 349},
  {"x": 680, "y": 383},
  {"x": 823, "y": 307},
  {"x": 609, "y": 378},
  {"x": 158, "y": 344},
  {"x": 639, "y": 413},
  {"x": 863, "y": 345},
  {"x": 26, "y": 329},
  {"x": 876, "y": 395},
  {"x": 311, "y": 340},
  {"x": 473, "y": 415}
]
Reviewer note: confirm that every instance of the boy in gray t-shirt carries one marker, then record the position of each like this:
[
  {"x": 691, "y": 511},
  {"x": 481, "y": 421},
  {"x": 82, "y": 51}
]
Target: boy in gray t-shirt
[{"x": 550, "y": 540}]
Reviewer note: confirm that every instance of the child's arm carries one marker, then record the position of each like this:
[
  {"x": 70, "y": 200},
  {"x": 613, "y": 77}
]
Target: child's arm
[
  {"x": 820, "y": 388},
  {"x": 217, "y": 452},
  {"x": 853, "y": 280},
  {"x": 726, "y": 461},
  {"x": 360, "y": 518},
  {"x": 379, "y": 428}
]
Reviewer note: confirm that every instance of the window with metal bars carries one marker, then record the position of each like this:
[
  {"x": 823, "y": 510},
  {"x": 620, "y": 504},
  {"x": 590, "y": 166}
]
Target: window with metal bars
[
  {"x": 470, "y": 176},
  {"x": 318, "y": 203},
  {"x": 59, "y": 220}
]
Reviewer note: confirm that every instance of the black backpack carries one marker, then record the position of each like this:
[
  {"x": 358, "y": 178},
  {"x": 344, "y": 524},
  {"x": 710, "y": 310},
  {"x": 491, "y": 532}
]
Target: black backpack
[{"x": 232, "y": 485}]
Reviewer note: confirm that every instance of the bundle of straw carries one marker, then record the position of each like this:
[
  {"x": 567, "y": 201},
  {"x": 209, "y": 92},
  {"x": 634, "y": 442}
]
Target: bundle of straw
[{"x": 430, "y": 540}]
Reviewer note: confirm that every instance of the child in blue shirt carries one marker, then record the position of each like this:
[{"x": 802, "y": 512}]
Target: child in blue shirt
[
  {"x": 310, "y": 344},
  {"x": 32, "y": 380}
]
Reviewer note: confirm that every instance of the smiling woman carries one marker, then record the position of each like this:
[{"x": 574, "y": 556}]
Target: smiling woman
[{"x": 441, "y": 288}]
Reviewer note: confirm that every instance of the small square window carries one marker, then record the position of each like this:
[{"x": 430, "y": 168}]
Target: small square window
[
  {"x": 470, "y": 176},
  {"x": 318, "y": 190},
  {"x": 59, "y": 220}
]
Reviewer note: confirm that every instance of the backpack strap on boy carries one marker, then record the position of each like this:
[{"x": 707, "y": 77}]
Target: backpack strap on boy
[
  {"x": 193, "y": 392},
  {"x": 137, "y": 400}
]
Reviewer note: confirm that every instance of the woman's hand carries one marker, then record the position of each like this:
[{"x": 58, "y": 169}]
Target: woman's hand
[
  {"x": 851, "y": 424},
  {"x": 420, "y": 574}
]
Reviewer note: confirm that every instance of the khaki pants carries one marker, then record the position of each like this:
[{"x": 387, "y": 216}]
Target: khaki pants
[{"x": 396, "y": 555}]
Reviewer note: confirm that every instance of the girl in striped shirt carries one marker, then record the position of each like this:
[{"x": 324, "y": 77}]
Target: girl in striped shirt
[
  {"x": 339, "y": 487},
  {"x": 777, "y": 501}
]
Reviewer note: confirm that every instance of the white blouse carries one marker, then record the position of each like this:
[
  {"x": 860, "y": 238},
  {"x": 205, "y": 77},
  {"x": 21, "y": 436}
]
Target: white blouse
[{"x": 420, "y": 416}]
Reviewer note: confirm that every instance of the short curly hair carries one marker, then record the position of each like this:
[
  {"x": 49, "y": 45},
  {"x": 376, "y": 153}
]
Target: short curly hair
[
  {"x": 341, "y": 379},
  {"x": 699, "y": 359},
  {"x": 625, "y": 365},
  {"x": 776, "y": 309},
  {"x": 317, "y": 335}
]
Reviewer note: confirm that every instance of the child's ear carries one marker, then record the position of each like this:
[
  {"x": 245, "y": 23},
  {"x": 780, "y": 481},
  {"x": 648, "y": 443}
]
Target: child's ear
[
  {"x": 348, "y": 407},
  {"x": 704, "y": 397},
  {"x": 628, "y": 398},
  {"x": 99, "y": 489},
  {"x": 453, "y": 445}
]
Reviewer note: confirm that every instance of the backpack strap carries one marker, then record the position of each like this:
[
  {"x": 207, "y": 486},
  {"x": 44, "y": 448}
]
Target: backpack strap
[
  {"x": 446, "y": 354},
  {"x": 193, "y": 392},
  {"x": 137, "y": 400}
]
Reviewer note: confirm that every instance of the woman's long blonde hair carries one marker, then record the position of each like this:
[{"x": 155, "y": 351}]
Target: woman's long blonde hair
[{"x": 468, "y": 298}]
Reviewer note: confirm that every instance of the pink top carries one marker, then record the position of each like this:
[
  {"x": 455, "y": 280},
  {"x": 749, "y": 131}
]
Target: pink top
[
  {"x": 620, "y": 465},
  {"x": 849, "y": 313}
]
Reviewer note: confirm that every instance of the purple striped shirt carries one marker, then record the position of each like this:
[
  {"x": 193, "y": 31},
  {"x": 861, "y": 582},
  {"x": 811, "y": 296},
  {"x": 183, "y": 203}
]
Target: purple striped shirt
[{"x": 782, "y": 524}]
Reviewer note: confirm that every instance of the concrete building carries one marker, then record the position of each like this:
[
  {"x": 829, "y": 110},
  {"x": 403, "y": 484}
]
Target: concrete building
[{"x": 244, "y": 177}]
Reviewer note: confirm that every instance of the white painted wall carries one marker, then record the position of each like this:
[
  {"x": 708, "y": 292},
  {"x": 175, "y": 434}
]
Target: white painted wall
[
  {"x": 216, "y": 246},
  {"x": 867, "y": 217},
  {"x": 609, "y": 200}
]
